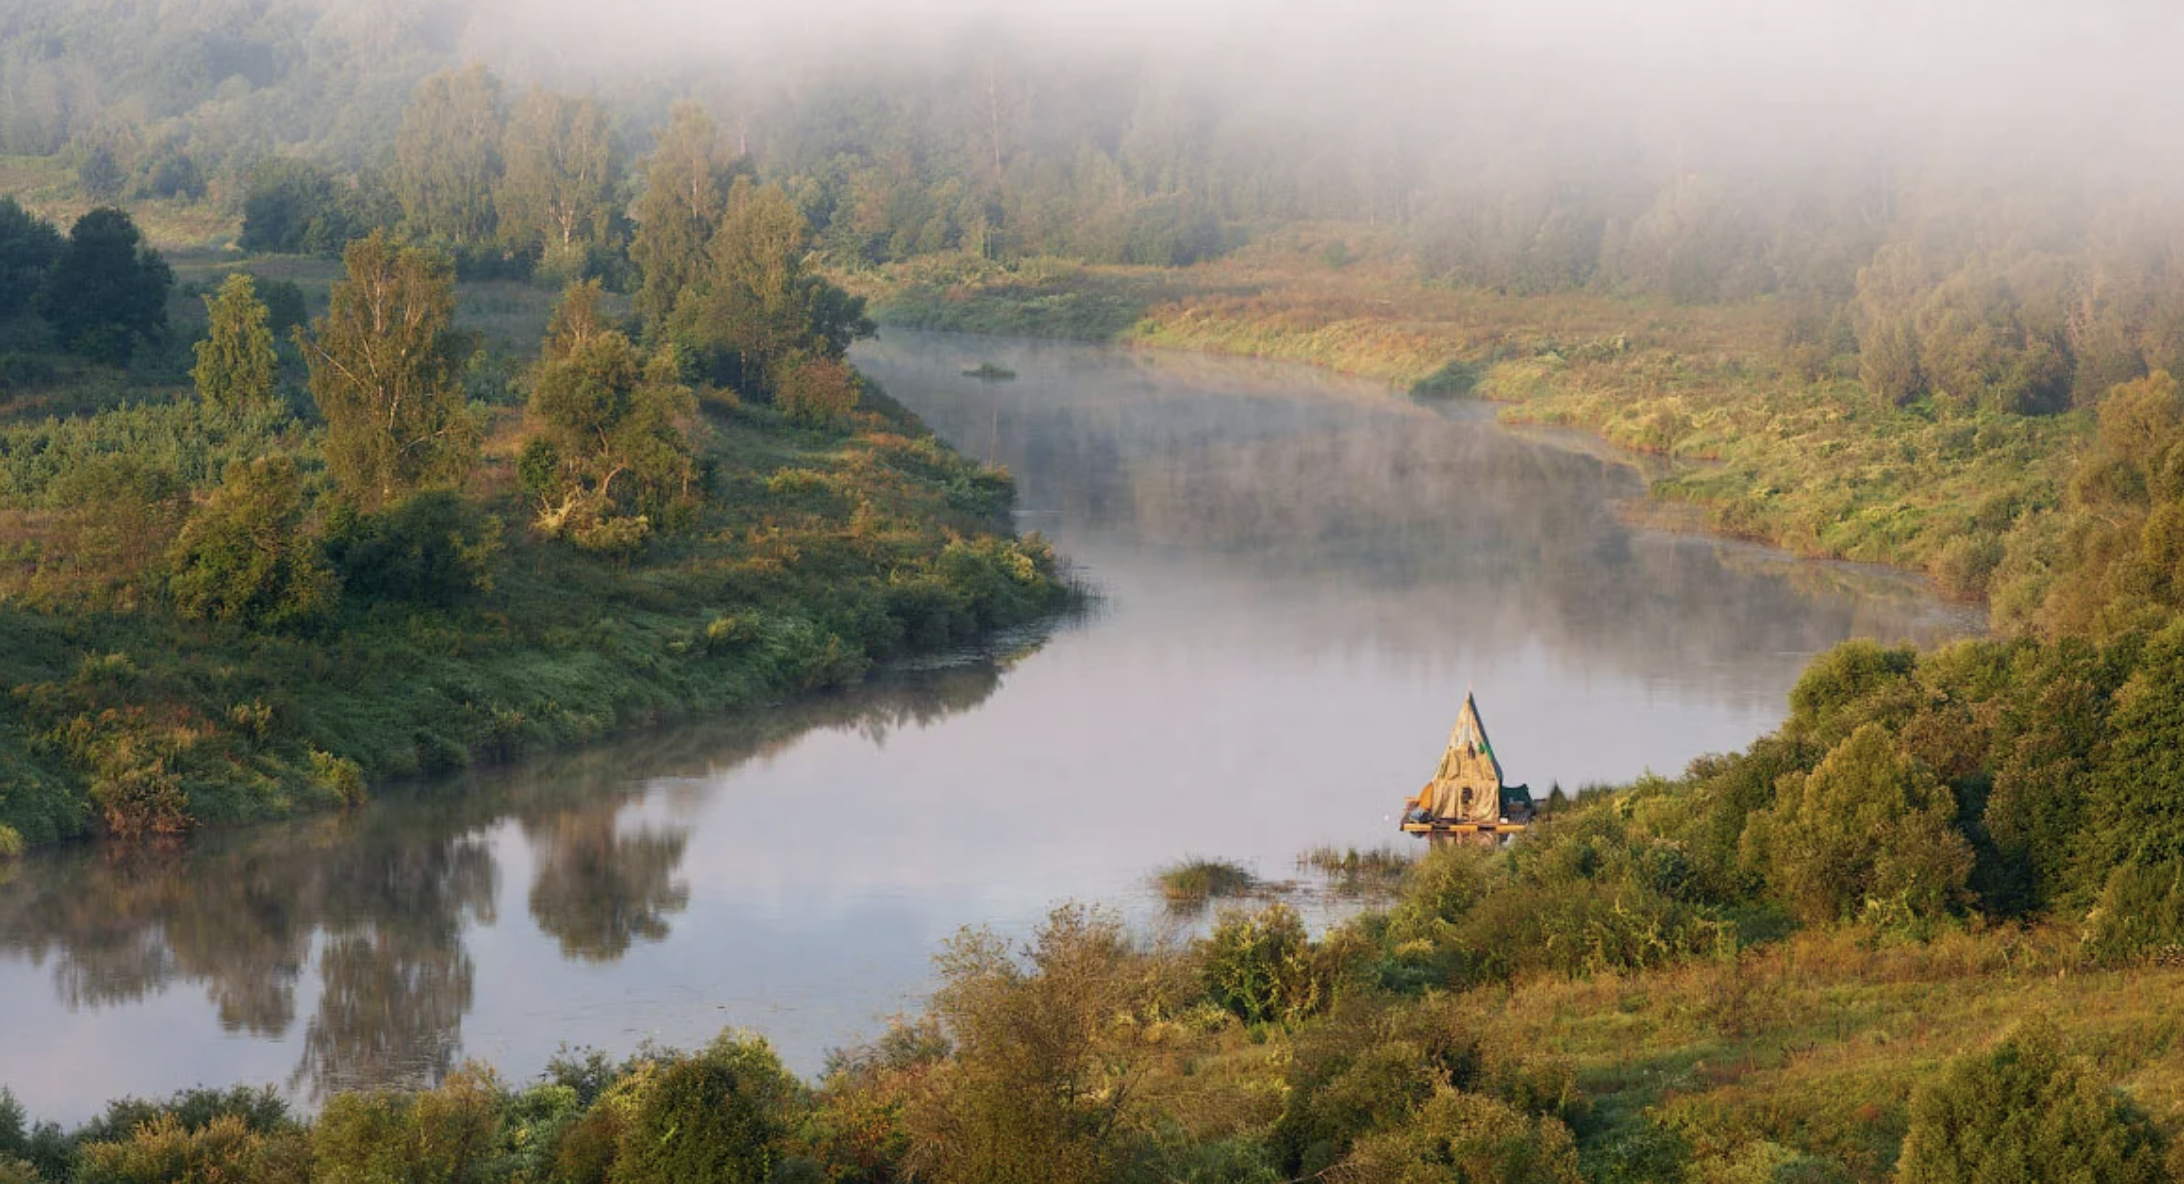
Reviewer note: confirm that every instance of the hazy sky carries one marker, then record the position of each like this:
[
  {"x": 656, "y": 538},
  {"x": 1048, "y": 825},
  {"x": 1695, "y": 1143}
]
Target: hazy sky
[{"x": 2054, "y": 80}]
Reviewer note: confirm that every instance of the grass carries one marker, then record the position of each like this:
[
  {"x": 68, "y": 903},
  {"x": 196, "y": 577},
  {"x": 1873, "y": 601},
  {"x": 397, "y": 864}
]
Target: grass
[
  {"x": 1351, "y": 872},
  {"x": 1817, "y": 1042},
  {"x": 1195, "y": 882}
]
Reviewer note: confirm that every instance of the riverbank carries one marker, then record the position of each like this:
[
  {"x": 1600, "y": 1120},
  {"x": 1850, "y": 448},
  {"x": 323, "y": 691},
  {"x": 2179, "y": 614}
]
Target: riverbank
[
  {"x": 820, "y": 552},
  {"x": 1769, "y": 444}
]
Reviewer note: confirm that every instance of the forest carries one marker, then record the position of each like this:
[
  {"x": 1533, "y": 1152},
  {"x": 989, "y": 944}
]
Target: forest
[{"x": 368, "y": 410}]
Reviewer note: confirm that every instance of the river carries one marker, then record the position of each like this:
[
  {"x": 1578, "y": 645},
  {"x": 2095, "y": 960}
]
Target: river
[{"x": 1298, "y": 578}]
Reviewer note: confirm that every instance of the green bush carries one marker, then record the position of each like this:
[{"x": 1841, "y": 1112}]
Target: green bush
[
  {"x": 2025, "y": 1110},
  {"x": 166, "y": 1151},
  {"x": 1193, "y": 882},
  {"x": 245, "y": 557},
  {"x": 261, "y": 1110},
  {"x": 2140, "y": 917},
  {"x": 446, "y": 1135},
  {"x": 1867, "y": 827},
  {"x": 1459, "y": 1138},
  {"x": 1260, "y": 966},
  {"x": 712, "y": 1118},
  {"x": 434, "y": 548}
]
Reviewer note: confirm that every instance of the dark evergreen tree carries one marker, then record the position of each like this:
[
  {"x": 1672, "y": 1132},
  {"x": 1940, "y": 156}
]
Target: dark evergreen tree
[
  {"x": 29, "y": 247},
  {"x": 107, "y": 294}
]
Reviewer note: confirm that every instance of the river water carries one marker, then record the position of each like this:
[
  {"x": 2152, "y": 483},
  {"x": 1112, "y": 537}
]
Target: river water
[{"x": 1298, "y": 578}]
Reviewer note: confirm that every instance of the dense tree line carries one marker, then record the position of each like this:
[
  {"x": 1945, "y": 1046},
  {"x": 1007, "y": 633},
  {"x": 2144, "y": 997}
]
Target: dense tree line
[{"x": 322, "y": 123}]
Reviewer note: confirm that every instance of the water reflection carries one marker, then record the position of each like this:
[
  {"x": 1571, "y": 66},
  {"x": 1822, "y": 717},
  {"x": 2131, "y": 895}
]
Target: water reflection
[
  {"x": 598, "y": 890},
  {"x": 1420, "y": 516},
  {"x": 369, "y": 918}
]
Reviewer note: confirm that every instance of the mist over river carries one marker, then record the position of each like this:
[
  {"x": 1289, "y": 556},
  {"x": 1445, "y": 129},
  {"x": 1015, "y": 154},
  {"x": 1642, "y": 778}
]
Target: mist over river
[{"x": 1298, "y": 577}]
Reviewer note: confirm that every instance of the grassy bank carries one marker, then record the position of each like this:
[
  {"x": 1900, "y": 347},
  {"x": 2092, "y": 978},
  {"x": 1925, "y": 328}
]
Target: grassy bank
[
  {"x": 821, "y": 553},
  {"x": 1768, "y": 445},
  {"x": 803, "y": 552}
]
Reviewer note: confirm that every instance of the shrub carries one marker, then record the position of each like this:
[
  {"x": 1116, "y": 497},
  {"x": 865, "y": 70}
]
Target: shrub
[
  {"x": 2024, "y": 1110},
  {"x": 339, "y": 776},
  {"x": 815, "y": 391},
  {"x": 434, "y": 548},
  {"x": 1456, "y": 1138},
  {"x": 712, "y": 1118},
  {"x": 163, "y": 1150},
  {"x": 1842, "y": 680},
  {"x": 1261, "y": 966},
  {"x": 1767, "y": 1163},
  {"x": 261, "y": 1110},
  {"x": 1966, "y": 563},
  {"x": 1866, "y": 826},
  {"x": 2140, "y": 916},
  {"x": 1049, "y": 1050},
  {"x": 444, "y": 1135},
  {"x": 245, "y": 557}
]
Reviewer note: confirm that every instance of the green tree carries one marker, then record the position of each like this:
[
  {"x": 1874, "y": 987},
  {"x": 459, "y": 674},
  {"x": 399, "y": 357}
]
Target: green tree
[
  {"x": 295, "y": 207},
  {"x": 29, "y": 247},
  {"x": 245, "y": 557},
  {"x": 556, "y": 197},
  {"x": 1050, "y": 1050},
  {"x": 1866, "y": 827},
  {"x": 2141, "y": 421},
  {"x": 685, "y": 191},
  {"x": 107, "y": 293},
  {"x": 385, "y": 366},
  {"x": 2026, "y": 1110},
  {"x": 755, "y": 306},
  {"x": 447, "y": 158},
  {"x": 613, "y": 454},
  {"x": 236, "y": 365},
  {"x": 99, "y": 175}
]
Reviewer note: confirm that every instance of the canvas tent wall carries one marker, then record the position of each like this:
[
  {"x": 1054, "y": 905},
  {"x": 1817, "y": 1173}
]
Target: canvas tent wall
[{"x": 1468, "y": 785}]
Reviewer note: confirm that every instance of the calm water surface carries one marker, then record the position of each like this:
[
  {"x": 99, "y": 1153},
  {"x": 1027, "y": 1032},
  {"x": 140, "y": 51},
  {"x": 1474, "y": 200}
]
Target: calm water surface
[{"x": 1300, "y": 576}]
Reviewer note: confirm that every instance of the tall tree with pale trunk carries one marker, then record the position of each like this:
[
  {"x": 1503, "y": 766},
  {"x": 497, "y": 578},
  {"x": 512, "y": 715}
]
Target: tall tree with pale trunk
[
  {"x": 556, "y": 194},
  {"x": 384, "y": 364}
]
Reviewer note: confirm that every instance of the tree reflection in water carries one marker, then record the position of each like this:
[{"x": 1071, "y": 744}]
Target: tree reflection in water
[
  {"x": 379, "y": 904},
  {"x": 599, "y": 890}
]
